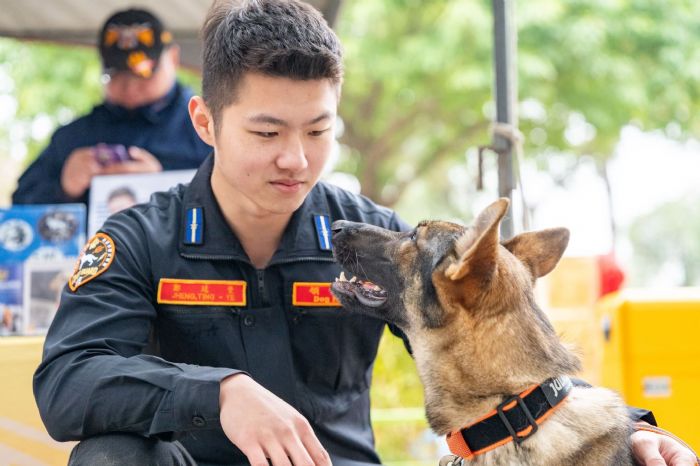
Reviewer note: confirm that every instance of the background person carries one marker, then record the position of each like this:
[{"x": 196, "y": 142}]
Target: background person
[{"x": 142, "y": 125}]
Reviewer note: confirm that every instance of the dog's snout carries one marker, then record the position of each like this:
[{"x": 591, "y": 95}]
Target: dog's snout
[
  {"x": 338, "y": 225},
  {"x": 345, "y": 227}
]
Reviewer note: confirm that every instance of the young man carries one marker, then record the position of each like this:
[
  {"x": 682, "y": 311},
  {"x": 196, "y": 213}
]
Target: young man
[
  {"x": 205, "y": 316},
  {"x": 144, "y": 118}
]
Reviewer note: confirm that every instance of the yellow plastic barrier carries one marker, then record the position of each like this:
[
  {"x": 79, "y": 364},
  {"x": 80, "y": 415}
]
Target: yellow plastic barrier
[
  {"x": 651, "y": 356},
  {"x": 23, "y": 439}
]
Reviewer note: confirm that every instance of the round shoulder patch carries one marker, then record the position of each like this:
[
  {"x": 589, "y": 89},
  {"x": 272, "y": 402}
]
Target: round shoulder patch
[{"x": 96, "y": 257}]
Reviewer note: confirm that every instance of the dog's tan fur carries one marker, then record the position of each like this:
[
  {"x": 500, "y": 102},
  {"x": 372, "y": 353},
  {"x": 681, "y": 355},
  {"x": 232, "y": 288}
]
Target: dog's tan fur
[{"x": 478, "y": 335}]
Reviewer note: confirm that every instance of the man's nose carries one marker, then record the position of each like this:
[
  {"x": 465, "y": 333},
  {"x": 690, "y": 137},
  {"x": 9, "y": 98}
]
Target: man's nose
[{"x": 293, "y": 157}]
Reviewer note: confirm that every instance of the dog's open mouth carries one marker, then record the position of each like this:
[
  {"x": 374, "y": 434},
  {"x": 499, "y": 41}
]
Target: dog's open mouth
[{"x": 366, "y": 292}]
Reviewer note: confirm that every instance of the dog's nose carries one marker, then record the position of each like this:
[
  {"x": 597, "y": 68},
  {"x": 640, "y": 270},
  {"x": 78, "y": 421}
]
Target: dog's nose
[{"x": 338, "y": 225}]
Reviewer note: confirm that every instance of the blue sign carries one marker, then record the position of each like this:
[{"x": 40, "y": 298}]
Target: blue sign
[{"x": 41, "y": 231}]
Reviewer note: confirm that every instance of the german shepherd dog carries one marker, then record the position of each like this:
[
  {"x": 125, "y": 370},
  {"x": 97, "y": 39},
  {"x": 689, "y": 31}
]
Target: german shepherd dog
[{"x": 495, "y": 374}]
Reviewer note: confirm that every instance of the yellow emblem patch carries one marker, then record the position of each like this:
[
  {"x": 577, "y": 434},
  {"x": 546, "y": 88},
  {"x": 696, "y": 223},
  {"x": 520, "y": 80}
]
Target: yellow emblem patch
[{"x": 96, "y": 257}]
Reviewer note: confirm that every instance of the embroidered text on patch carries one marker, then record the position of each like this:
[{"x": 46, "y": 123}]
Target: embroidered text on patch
[
  {"x": 313, "y": 294},
  {"x": 96, "y": 257},
  {"x": 202, "y": 292}
]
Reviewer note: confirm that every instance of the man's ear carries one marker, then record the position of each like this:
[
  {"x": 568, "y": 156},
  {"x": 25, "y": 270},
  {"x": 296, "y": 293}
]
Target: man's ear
[
  {"x": 540, "y": 251},
  {"x": 477, "y": 248},
  {"x": 201, "y": 119}
]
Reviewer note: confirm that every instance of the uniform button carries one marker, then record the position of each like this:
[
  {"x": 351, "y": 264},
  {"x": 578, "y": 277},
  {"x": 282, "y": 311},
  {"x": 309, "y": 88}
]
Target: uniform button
[
  {"x": 198, "y": 421},
  {"x": 249, "y": 320}
]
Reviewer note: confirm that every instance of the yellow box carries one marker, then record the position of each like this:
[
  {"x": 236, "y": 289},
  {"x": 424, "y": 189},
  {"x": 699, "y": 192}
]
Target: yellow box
[
  {"x": 568, "y": 296},
  {"x": 651, "y": 356},
  {"x": 23, "y": 439}
]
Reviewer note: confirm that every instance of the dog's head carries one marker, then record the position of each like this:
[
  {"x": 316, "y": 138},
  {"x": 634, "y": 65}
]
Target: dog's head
[
  {"x": 423, "y": 277},
  {"x": 465, "y": 301}
]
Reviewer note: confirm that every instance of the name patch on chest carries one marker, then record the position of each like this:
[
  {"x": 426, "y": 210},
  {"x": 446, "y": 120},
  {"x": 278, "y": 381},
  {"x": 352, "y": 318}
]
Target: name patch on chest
[
  {"x": 313, "y": 294},
  {"x": 202, "y": 292}
]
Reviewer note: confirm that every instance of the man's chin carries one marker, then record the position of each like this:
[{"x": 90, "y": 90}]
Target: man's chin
[{"x": 285, "y": 204}]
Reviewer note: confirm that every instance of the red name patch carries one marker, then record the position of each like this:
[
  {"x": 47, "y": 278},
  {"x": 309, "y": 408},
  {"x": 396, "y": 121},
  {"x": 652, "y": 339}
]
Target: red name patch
[
  {"x": 202, "y": 292},
  {"x": 313, "y": 294}
]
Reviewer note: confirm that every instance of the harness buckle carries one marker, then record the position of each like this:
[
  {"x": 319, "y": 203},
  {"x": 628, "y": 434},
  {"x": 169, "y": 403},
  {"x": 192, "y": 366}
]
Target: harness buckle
[{"x": 528, "y": 415}]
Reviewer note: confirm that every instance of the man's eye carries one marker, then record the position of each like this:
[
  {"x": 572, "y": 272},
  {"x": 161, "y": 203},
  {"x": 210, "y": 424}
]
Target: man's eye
[
  {"x": 265, "y": 134},
  {"x": 317, "y": 132}
]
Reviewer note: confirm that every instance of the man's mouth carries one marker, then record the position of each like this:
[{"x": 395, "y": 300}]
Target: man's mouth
[
  {"x": 287, "y": 186},
  {"x": 366, "y": 292}
]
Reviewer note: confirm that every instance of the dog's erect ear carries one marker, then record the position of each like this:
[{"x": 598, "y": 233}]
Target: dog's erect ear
[
  {"x": 541, "y": 250},
  {"x": 478, "y": 246}
]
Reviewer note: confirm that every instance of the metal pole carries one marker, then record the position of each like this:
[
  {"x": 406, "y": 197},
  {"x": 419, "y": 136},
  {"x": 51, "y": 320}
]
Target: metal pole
[
  {"x": 331, "y": 11},
  {"x": 506, "y": 90}
]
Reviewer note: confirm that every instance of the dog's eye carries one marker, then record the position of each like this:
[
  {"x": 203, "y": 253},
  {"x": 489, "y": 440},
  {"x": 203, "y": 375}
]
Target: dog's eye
[{"x": 414, "y": 235}]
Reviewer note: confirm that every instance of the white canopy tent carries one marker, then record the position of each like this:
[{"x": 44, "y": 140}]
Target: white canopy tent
[{"x": 78, "y": 21}]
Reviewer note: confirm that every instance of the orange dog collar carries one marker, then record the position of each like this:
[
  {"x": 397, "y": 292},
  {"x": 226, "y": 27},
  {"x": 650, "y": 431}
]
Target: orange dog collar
[{"x": 514, "y": 420}]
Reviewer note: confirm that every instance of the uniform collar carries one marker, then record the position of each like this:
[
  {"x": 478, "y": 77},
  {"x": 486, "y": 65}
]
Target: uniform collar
[
  {"x": 299, "y": 239},
  {"x": 152, "y": 112}
]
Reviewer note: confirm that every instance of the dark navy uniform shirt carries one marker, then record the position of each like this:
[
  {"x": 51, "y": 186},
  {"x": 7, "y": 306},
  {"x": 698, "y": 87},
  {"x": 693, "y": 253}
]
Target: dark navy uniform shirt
[
  {"x": 162, "y": 128},
  {"x": 96, "y": 376}
]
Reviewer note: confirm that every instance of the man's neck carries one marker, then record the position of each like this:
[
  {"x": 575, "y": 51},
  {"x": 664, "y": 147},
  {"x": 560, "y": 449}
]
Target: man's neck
[
  {"x": 259, "y": 237},
  {"x": 259, "y": 232}
]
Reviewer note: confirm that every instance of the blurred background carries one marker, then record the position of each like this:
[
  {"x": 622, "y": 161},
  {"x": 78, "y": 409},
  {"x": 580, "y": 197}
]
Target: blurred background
[{"x": 608, "y": 107}]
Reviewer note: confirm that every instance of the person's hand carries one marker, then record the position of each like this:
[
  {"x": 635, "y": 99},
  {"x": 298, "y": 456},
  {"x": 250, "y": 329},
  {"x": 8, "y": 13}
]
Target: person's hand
[
  {"x": 141, "y": 161},
  {"x": 655, "y": 449},
  {"x": 78, "y": 170},
  {"x": 263, "y": 426}
]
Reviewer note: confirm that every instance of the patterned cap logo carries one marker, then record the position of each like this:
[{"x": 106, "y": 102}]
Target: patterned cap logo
[{"x": 128, "y": 37}]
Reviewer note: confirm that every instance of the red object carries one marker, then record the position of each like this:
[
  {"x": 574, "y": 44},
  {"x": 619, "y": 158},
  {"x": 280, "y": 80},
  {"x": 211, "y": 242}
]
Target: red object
[
  {"x": 313, "y": 294},
  {"x": 611, "y": 274},
  {"x": 202, "y": 292}
]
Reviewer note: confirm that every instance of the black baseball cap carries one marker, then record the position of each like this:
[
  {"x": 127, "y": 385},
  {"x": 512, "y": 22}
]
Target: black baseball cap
[{"x": 132, "y": 40}]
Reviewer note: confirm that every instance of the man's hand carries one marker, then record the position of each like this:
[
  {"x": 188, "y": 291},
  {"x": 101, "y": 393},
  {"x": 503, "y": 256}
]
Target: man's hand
[
  {"x": 78, "y": 170},
  {"x": 263, "y": 426},
  {"x": 141, "y": 161},
  {"x": 655, "y": 449}
]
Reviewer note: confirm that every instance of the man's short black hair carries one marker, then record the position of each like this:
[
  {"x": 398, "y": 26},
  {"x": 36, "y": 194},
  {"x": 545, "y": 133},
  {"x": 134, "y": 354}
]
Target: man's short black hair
[{"x": 280, "y": 38}]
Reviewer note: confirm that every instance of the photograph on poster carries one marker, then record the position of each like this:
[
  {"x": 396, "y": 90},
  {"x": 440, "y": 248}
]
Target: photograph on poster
[
  {"x": 43, "y": 283},
  {"x": 110, "y": 194}
]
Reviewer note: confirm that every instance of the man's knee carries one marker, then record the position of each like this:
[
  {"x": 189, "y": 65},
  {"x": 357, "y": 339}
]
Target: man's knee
[{"x": 121, "y": 449}]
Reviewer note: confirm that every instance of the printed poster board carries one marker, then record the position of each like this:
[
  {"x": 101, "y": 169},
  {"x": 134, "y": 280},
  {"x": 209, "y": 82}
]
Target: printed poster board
[{"x": 110, "y": 194}]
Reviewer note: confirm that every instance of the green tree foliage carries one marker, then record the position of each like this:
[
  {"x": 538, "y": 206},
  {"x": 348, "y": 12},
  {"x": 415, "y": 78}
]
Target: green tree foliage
[
  {"x": 418, "y": 89},
  {"x": 667, "y": 237},
  {"x": 44, "y": 81}
]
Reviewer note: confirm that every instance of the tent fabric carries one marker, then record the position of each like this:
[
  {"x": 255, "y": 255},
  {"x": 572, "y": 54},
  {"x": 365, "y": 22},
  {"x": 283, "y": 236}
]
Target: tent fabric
[{"x": 78, "y": 21}]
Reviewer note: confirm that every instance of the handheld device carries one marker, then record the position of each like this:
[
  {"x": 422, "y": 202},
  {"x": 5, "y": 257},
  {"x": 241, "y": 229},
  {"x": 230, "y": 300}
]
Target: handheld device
[{"x": 109, "y": 154}]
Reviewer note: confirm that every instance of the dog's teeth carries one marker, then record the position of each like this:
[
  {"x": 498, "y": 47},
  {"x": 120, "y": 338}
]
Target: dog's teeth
[
  {"x": 342, "y": 277},
  {"x": 353, "y": 279}
]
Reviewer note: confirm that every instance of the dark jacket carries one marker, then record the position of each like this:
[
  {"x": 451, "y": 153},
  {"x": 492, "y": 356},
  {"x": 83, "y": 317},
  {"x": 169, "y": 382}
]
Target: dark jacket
[
  {"x": 95, "y": 377},
  {"x": 162, "y": 128}
]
